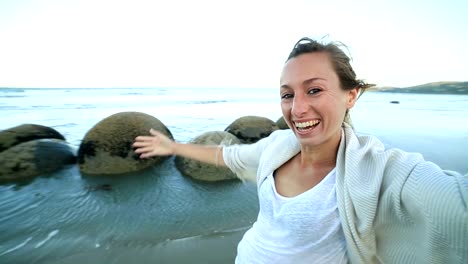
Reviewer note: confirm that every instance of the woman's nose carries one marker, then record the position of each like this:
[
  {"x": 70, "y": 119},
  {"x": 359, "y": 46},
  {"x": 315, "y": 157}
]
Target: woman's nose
[{"x": 299, "y": 106}]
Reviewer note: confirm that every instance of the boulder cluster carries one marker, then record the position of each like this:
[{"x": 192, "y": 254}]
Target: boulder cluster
[{"x": 30, "y": 150}]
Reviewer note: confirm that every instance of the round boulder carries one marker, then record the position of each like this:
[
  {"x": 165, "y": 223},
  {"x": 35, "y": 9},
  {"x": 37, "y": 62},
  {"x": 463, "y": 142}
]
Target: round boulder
[
  {"x": 107, "y": 148},
  {"x": 281, "y": 123},
  {"x": 250, "y": 129},
  {"x": 35, "y": 157},
  {"x": 24, "y": 133},
  {"x": 203, "y": 171}
]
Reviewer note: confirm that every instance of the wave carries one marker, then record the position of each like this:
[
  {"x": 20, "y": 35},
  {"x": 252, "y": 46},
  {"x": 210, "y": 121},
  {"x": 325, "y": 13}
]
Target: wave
[{"x": 16, "y": 247}]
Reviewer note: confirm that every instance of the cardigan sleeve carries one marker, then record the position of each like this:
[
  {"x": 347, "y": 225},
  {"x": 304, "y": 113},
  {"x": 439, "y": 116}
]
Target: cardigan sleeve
[
  {"x": 395, "y": 207},
  {"x": 243, "y": 159},
  {"x": 437, "y": 200}
]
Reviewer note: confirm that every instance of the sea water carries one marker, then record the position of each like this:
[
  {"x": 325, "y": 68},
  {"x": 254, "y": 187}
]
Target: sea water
[{"x": 158, "y": 215}]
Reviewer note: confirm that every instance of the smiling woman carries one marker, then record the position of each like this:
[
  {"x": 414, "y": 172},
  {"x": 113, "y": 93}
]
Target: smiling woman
[
  {"x": 309, "y": 82},
  {"x": 374, "y": 204}
]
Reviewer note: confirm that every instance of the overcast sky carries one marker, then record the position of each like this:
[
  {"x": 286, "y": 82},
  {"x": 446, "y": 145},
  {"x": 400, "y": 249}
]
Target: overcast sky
[{"x": 241, "y": 43}]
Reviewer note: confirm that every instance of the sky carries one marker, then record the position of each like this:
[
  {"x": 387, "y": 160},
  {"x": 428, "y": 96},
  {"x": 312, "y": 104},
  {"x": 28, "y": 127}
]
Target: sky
[{"x": 242, "y": 43}]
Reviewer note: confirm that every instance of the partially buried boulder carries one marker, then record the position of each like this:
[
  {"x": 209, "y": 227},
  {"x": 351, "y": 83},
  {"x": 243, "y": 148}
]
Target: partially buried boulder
[
  {"x": 203, "y": 171},
  {"x": 250, "y": 129},
  {"x": 107, "y": 148},
  {"x": 24, "y": 133},
  {"x": 35, "y": 157}
]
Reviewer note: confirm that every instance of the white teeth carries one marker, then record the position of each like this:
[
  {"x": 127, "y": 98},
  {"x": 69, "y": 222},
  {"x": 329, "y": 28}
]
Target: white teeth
[{"x": 307, "y": 124}]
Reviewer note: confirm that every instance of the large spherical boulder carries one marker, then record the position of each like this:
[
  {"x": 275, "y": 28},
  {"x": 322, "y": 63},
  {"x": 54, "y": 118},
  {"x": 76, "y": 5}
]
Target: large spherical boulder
[
  {"x": 26, "y": 132},
  {"x": 281, "y": 123},
  {"x": 107, "y": 148},
  {"x": 250, "y": 129},
  {"x": 203, "y": 171},
  {"x": 35, "y": 157}
]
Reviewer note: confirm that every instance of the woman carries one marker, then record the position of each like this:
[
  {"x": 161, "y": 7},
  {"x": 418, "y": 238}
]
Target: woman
[{"x": 327, "y": 195}]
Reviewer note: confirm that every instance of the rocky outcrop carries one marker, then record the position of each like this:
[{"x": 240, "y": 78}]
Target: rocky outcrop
[
  {"x": 107, "y": 148},
  {"x": 250, "y": 129},
  {"x": 34, "y": 158},
  {"x": 203, "y": 171}
]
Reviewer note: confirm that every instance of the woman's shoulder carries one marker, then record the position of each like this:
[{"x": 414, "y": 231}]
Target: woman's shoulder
[
  {"x": 282, "y": 140},
  {"x": 281, "y": 133},
  {"x": 371, "y": 147},
  {"x": 277, "y": 138},
  {"x": 367, "y": 151}
]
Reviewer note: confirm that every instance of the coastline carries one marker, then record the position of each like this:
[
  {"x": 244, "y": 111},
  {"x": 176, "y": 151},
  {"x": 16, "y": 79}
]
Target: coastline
[{"x": 455, "y": 88}]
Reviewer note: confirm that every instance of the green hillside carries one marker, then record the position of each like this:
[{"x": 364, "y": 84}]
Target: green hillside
[{"x": 430, "y": 88}]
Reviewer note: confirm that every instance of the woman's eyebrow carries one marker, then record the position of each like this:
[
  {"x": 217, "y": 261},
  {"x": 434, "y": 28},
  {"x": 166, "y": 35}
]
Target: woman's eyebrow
[
  {"x": 311, "y": 80},
  {"x": 304, "y": 83}
]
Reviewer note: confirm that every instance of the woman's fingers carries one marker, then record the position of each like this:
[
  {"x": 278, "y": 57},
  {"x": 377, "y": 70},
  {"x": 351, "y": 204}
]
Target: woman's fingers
[
  {"x": 156, "y": 144},
  {"x": 142, "y": 156},
  {"x": 158, "y": 135},
  {"x": 146, "y": 155},
  {"x": 154, "y": 132},
  {"x": 143, "y": 149},
  {"x": 140, "y": 144},
  {"x": 144, "y": 138}
]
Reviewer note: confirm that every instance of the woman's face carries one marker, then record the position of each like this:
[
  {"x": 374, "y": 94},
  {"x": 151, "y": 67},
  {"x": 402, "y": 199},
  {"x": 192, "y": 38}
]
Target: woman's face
[{"x": 312, "y": 101}]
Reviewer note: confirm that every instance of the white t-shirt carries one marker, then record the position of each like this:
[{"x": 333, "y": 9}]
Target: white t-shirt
[{"x": 301, "y": 229}]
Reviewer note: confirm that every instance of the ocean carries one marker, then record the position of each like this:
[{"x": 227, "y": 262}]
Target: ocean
[{"x": 158, "y": 215}]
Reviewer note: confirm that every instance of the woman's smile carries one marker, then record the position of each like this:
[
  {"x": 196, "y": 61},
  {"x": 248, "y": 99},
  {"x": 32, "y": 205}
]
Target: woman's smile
[{"x": 305, "y": 127}]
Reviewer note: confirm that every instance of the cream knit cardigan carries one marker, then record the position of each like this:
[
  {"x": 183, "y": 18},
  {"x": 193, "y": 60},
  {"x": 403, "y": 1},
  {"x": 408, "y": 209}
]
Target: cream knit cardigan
[{"x": 394, "y": 206}]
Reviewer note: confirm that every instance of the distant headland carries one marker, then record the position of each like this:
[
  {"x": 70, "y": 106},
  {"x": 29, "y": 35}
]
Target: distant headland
[{"x": 428, "y": 88}]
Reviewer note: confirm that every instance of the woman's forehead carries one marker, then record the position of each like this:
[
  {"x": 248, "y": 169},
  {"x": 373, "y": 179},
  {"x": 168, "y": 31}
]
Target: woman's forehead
[{"x": 307, "y": 66}]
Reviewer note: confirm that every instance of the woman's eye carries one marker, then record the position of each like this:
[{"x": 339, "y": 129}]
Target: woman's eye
[
  {"x": 286, "y": 96},
  {"x": 314, "y": 91}
]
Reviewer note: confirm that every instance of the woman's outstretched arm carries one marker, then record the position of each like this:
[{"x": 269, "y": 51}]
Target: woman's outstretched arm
[{"x": 159, "y": 144}]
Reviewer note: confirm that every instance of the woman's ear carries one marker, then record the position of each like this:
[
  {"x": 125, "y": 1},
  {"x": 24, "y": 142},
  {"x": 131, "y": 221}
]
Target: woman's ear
[{"x": 353, "y": 95}]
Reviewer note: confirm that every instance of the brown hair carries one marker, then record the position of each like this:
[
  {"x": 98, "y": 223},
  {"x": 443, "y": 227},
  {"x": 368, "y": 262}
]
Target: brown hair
[{"x": 340, "y": 61}]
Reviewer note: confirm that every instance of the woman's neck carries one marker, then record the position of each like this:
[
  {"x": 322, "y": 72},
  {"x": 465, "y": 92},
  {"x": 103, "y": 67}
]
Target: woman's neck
[{"x": 320, "y": 156}]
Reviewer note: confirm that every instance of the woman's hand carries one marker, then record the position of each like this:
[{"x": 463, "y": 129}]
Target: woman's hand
[{"x": 157, "y": 144}]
